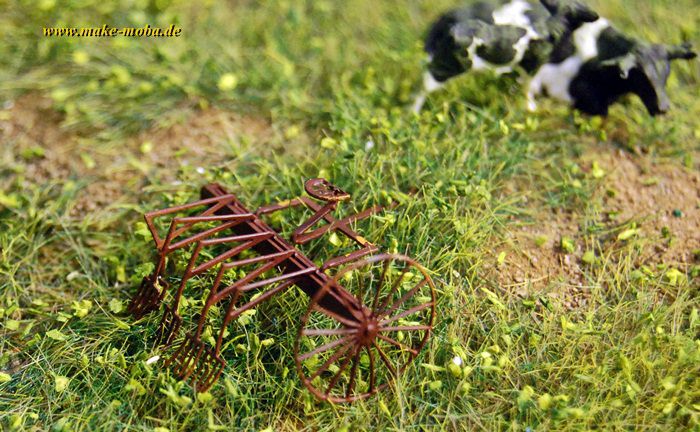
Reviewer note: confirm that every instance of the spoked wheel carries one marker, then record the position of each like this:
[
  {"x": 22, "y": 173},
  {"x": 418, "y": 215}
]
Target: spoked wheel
[{"x": 343, "y": 357}]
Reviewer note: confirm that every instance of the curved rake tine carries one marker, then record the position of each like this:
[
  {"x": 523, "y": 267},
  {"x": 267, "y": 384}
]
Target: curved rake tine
[
  {"x": 193, "y": 361},
  {"x": 206, "y": 385},
  {"x": 175, "y": 328},
  {"x": 324, "y": 348},
  {"x": 398, "y": 344},
  {"x": 214, "y": 373},
  {"x": 183, "y": 362},
  {"x": 170, "y": 359},
  {"x": 201, "y": 370},
  {"x": 169, "y": 326},
  {"x": 145, "y": 300},
  {"x": 228, "y": 317},
  {"x": 178, "y": 354}
]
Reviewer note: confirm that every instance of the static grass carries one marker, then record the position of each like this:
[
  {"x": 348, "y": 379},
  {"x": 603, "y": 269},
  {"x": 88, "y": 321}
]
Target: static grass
[{"x": 340, "y": 75}]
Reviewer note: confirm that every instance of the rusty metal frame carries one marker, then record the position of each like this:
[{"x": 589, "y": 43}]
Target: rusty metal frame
[{"x": 246, "y": 231}]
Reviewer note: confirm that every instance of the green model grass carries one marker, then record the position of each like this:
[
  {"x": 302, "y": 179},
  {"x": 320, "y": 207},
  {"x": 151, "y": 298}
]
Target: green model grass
[{"x": 333, "y": 82}]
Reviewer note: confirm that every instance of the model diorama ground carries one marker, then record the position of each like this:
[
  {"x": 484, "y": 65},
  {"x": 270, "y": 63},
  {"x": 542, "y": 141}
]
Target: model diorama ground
[{"x": 565, "y": 249}]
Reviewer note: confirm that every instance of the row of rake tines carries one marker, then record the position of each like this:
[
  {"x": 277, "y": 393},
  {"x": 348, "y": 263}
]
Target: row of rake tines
[{"x": 193, "y": 359}]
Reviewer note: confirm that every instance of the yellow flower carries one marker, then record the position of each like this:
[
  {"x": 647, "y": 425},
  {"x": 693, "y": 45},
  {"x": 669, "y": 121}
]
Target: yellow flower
[
  {"x": 81, "y": 57},
  {"x": 227, "y": 82}
]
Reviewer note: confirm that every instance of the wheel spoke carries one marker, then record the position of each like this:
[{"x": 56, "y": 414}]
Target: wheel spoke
[
  {"x": 407, "y": 313},
  {"x": 335, "y": 316},
  {"x": 385, "y": 359},
  {"x": 328, "y": 332},
  {"x": 396, "y": 284},
  {"x": 325, "y": 347},
  {"x": 360, "y": 287},
  {"x": 379, "y": 287},
  {"x": 405, "y": 297},
  {"x": 330, "y": 361},
  {"x": 353, "y": 373},
  {"x": 372, "y": 375},
  {"x": 398, "y": 344},
  {"x": 405, "y": 328},
  {"x": 337, "y": 375}
]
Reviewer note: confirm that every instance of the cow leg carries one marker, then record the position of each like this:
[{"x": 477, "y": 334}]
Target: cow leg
[
  {"x": 534, "y": 89},
  {"x": 430, "y": 85},
  {"x": 419, "y": 102}
]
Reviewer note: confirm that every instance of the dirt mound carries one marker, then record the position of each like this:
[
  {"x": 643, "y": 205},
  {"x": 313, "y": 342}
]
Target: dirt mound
[
  {"x": 29, "y": 130},
  {"x": 40, "y": 152},
  {"x": 661, "y": 198},
  {"x": 202, "y": 137}
]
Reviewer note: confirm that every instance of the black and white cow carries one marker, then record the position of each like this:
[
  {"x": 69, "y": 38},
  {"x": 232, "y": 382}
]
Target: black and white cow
[
  {"x": 499, "y": 36},
  {"x": 596, "y": 65},
  {"x": 575, "y": 55}
]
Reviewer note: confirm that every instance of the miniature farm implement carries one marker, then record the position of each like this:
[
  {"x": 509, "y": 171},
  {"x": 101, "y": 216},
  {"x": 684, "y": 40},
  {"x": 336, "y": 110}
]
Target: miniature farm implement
[{"x": 363, "y": 326}]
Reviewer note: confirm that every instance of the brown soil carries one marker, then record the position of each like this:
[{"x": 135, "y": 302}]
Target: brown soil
[
  {"x": 203, "y": 138},
  {"x": 30, "y": 123},
  {"x": 649, "y": 194},
  {"x": 534, "y": 260},
  {"x": 635, "y": 189},
  {"x": 110, "y": 174}
]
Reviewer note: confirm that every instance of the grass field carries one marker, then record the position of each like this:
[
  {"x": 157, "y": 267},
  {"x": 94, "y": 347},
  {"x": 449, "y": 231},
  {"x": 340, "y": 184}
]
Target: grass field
[{"x": 566, "y": 250}]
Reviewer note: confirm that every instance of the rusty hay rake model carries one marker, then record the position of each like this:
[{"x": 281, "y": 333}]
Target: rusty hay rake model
[{"x": 363, "y": 326}]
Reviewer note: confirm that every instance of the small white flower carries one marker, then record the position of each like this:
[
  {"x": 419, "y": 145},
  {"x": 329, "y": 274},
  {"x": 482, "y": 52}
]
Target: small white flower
[
  {"x": 457, "y": 360},
  {"x": 152, "y": 359},
  {"x": 369, "y": 145},
  {"x": 200, "y": 170}
]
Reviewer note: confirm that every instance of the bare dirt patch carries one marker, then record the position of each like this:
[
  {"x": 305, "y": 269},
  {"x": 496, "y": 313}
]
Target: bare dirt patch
[
  {"x": 533, "y": 260},
  {"x": 528, "y": 258},
  {"x": 32, "y": 140},
  {"x": 661, "y": 198},
  {"x": 198, "y": 140},
  {"x": 203, "y": 137},
  {"x": 38, "y": 151}
]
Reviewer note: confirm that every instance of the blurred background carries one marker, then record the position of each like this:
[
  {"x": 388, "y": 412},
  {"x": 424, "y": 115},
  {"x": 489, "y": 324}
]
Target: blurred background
[{"x": 597, "y": 329}]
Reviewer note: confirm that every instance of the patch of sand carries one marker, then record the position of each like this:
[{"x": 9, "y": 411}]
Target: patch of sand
[
  {"x": 30, "y": 126},
  {"x": 661, "y": 198},
  {"x": 40, "y": 152},
  {"x": 656, "y": 196}
]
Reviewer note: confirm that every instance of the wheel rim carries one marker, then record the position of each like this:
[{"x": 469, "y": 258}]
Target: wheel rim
[{"x": 346, "y": 361}]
